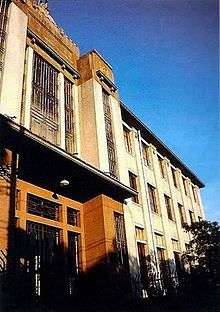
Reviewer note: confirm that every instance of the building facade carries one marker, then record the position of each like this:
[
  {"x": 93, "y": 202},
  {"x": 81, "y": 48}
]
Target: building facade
[{"x": 79, "y": 171}]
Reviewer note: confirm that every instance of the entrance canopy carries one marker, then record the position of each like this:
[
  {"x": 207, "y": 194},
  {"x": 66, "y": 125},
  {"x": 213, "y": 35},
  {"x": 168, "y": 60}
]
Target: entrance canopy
[{"x": 44, "y": 164}]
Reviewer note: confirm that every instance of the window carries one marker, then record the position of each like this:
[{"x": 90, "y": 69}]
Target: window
[
  {"x": 175, "y": 244},
  {"x": 73, "y": 216},
  {"x": 133, "y": 185},
  {"x": 162, "y": 166},
  {"x": 174, "y": 177},
  {"x": 159, "y": 238},
  {"x": 162, "y": 262},
  {"x": 199, "y": 218},
  {"x": 146, "y": 154},
  {"x": 140, "y": 235},
  {"x": 42, "y": 207},
  {"x": 192, "y": 216},
  {"x": 120, "y": 241},
  {"x": 44, "y": 106},
  {"x": 69, "y": 116},
  {"x": 73, "y": 252},
  {"x": 17, "y": 199},
  {"x": 185, "y": 185},
  {"x": 153, "y": 198},
  {"x": 127, "y": 139},
  {"x": 141, "y": 248},
  {"x": 182, "y": 214},
  {"x": 195, "y": 194},
  {"x": 168, "y": 207}
]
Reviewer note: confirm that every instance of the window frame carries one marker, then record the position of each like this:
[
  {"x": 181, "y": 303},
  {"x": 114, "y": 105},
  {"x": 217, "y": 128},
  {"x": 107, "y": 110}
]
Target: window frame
[
  {"x": 133, "y": 182},
  {"x": 127, "y": 139},
  {"x": 152, "y": 193},
  {"x": 169, "y": 207}
]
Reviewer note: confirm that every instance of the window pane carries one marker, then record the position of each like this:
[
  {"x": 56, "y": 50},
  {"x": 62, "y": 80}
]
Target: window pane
[
  {"x": 73, "y": 216},
  {"x": 153, "y": 198}
]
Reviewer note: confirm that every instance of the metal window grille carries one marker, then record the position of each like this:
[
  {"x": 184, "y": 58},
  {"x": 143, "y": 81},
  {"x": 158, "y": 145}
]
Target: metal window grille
[
  {"x": 73, "y": 261},
  {"x": 69, "y": 116},
  {"x": 109, "y": 135},
  {"x": 3, "y": 23},
  {"x": 44, "y": 108},
  {"x": 120, "y": 240},
  {"x": 73, "y": 216},
  {"x": 152, "y": 197},
  {"x": 168, "y": 207},
  {"x": 44, "y": 242},
  {"x": 43, "y": 207}
]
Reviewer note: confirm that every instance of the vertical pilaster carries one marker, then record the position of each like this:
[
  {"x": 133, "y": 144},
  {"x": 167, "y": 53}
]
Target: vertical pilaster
[{"x": 28, "y": 88}]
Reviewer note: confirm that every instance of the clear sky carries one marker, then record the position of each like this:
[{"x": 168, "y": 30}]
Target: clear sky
[{"x": 164, "y": 54}]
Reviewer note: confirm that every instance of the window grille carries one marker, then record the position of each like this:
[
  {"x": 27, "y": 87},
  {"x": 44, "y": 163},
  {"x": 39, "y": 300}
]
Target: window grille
[
  {"x": 44, "y": 108},
  {"x": 73, "y": 216},
  {"x": 153, "y": 198},
  {"x": 3, "y": 23},
  {"x": 69, "y": 116},
  {"x": 74, "y": 251},
  {"x": 120, "y": 240},
  {"x": 43, "y": 207},
  {"x": 44, "y": 244},
  {"x": 109, "y": 135}
]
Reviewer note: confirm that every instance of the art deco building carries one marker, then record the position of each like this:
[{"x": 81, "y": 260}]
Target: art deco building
[{"x": 79, "y": 171}]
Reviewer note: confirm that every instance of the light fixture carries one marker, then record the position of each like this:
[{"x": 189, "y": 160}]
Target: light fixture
[
  {"x": 64, "y": 182},
  {"x": 55, "y": 196}
]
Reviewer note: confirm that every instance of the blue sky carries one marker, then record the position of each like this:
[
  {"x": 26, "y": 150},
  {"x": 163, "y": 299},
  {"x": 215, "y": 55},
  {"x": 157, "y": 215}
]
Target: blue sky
[{"x": 164, "y": 54}]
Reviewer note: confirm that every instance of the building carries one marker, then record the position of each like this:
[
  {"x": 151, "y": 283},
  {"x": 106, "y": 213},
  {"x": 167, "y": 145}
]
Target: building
[{"x": 79, "y": 171}]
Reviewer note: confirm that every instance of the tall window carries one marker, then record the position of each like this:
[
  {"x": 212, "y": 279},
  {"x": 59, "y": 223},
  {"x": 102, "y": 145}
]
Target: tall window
[
  {"x": 174, "y": 177},
  {"x": 146, "y": 154},
  {"x": 182, "y": 214},
  {"x": 153, "y": 198},
  {"x": 162, "y": 166},
  {"x": 195, "y": 194},
  {"x": 69, "y": 116},
  {"x": 109, "y": 135},
  {"x": 169, "y": 207},
  {"x": 185, "y": 185},
  {"x": 133, "y": 185},
  {"x": 192, "y": 216},
  {"x": 74, "y": 252},
  {"x": 3, "y": 22},
  {"x": 120, "y": 241},
  {"x": 127, "y": 139},
  {"x": 44, "y": 108}
]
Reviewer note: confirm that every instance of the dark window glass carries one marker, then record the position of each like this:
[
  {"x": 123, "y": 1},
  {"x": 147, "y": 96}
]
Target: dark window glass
[
  {"x": 174, "y": 177},
  {"x": 133, "y": 185},
  {"x": 69, "y": 116},
  {"x": 182, "y": 214},
  {"x": 192, "y": 216},
  {"x": 169, "y": 207},
  {"x": 42, "y": 207},
  {"x": 73, "y": 216},
  {"x": 153, "y": 198}
]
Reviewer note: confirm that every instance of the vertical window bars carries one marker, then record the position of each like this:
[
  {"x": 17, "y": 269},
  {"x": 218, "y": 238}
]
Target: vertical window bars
[
  {"x": 69, "y": 116},
  {"x": 3, "y": 22},
  {"x": 44, "y": 110},
  {"x": 109, "y": 135},
  {"x": 120, "y": 241}
]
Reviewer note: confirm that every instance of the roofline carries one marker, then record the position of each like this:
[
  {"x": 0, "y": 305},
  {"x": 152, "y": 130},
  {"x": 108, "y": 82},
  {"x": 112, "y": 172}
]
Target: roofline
[
  {"x": 101, "y": 57},
  {"x": 160, "y": 143}
]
